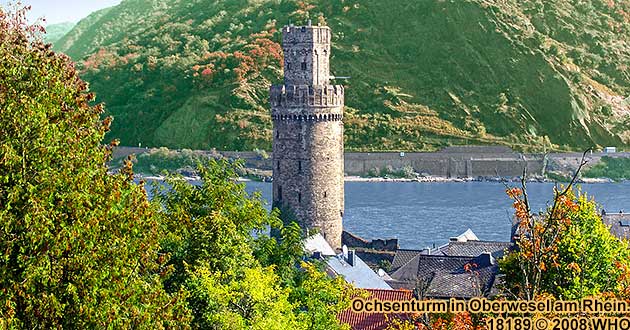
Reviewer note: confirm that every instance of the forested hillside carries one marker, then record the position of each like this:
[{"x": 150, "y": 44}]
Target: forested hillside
[
  {"x": 54, "y": 32},
  {"x": 425, "y": 74}
]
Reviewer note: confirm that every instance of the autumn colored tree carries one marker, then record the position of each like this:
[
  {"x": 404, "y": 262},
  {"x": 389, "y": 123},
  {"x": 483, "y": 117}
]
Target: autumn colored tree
[
  {"x": 237, "y": 276},
  {"x": 566, "y": 251},
  {"x": 80, "y": 247}
]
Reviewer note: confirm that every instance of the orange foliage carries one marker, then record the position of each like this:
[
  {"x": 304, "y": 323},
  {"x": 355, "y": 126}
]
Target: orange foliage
[
  {"x": 101, "y": 58},
  {"x": 259, "y": 54},
  {"x": 514, "y": 192},
  {"x": 207, "y": 71},
  {"x": 304, "y": 7}
]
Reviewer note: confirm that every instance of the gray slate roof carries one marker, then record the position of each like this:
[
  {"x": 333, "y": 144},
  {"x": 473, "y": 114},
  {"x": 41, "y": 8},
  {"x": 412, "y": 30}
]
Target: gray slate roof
[
  {"x": 619, "y": 224},
  {"x": 317, "y": 243},
  {"x": 446, "y": 276},
  {"x": 359, "y": 274},
  {"x": 403, "y": 256},
  {"x": 474, "y": 248}
]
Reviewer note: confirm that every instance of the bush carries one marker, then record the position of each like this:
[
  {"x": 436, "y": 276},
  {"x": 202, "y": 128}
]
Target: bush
[{"x": 609, "y": 167}]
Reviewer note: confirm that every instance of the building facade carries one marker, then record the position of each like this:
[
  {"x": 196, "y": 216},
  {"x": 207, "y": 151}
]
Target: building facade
[{"x": 307, "y": 114}]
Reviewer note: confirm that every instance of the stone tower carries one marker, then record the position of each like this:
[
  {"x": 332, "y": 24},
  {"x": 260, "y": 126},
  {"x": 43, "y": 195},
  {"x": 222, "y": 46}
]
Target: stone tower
[{"x": 307, "y": 114}]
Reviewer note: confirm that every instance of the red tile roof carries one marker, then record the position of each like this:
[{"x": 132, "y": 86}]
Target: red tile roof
[{"x": 376, "y": 321}]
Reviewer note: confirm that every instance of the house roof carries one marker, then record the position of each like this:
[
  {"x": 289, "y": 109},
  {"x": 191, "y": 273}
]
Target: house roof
[
  {"x": 468, "y": 235},
  {"x": 619, "y": 224},
  {"x": 347, "y": 264},
  {"x": 359, "y": 274},
  {"x": 403, "y": 256},
  {"x": 447, "y": 276},
  {"x": 474, "y": 248},
  {"x": 376, "y": 321},
  {"x": 317, "y": 243}
]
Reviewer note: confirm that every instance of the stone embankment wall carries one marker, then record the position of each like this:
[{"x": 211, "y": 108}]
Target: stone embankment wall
[
  {"x": 445, "y": 164},
  {"x": 450, "y": 162}
]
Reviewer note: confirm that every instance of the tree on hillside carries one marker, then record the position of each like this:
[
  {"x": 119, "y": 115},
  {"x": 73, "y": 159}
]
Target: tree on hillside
[
  {"x": 237, "y": 276},
  {"x": 566, "y": 251},
  {"x": 80, "y": 247}
]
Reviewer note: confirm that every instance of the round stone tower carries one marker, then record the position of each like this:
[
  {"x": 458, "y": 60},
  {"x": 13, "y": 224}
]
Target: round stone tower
[{"x": 307, "y": 114}]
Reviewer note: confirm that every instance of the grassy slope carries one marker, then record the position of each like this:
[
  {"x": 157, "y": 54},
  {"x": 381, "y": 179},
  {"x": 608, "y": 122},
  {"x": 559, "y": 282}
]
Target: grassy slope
[{"x": 424, "y": 73}]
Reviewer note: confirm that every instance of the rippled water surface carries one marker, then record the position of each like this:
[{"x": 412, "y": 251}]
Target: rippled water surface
[{"x": 423, "y": 214}]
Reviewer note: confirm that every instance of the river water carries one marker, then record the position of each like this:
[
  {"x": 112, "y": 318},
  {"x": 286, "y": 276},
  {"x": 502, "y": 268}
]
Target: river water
[{"x": 423, "y": 214}]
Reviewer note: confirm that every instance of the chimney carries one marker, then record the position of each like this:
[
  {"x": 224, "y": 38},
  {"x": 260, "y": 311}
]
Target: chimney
[
  {"x": 351, "y": 258},
  {"x": 486, "y": 259}
]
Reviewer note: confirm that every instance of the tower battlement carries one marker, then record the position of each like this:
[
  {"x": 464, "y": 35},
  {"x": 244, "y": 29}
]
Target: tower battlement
[{"x": 300, "y": 96}]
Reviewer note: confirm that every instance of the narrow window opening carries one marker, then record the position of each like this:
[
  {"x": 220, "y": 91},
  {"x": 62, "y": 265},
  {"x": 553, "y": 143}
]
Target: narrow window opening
[
  {"x": 280, "y": 193},
  {"x": 325, "y": 194},
  {"x": 299, "y": 166},
  {"x": 277, "y": 134},
  {"x": 278, "y": 167},
  {"x": 288, "y": 66},
  {"x": 304, "y": 66},
  {"x": 299, "y": 197}
]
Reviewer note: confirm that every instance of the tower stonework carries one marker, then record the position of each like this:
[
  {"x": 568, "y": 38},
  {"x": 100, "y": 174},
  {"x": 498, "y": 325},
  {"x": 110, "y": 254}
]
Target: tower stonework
[{"x": 307, "y": 114}]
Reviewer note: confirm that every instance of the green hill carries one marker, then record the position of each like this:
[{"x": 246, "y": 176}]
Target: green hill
[
  {"x": 54, "y": 32},
  {"x": 429, "y": 73}
]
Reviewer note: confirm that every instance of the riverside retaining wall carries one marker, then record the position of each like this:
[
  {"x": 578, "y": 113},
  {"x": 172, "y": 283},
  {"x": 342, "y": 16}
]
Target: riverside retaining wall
[{"x": 451, "y": 162}]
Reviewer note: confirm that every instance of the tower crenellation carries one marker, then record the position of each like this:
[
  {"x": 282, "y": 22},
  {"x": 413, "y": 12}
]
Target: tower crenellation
[
  {"x": 307, "y": 115},
  {"x": 304, "y": 95}
]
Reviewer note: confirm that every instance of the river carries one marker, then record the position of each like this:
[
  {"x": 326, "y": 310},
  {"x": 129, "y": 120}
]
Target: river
[{"x": 423, "y": 214}]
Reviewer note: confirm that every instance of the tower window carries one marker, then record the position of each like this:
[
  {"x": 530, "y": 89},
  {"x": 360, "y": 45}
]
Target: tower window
[
  {"x": 299, "y": 166},
  {"x": 304, "y": 66},
  {"x": 277, "y": 134},
  {"x": 278, "y": 167},
  {"x": 299, "y": 197},
  {"x": 279, "y": 193},
  {"x": 288, "y": 66},
  {"x": 325, "y": 194}
]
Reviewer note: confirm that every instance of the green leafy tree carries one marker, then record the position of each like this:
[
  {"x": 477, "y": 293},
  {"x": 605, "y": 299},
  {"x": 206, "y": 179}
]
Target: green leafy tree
[
  {"x": 566, "y": 251},
  {"x": 251, "y": 299},
  {"x": 237, "y": 276},
  {"x": 80, "y": 247}
]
